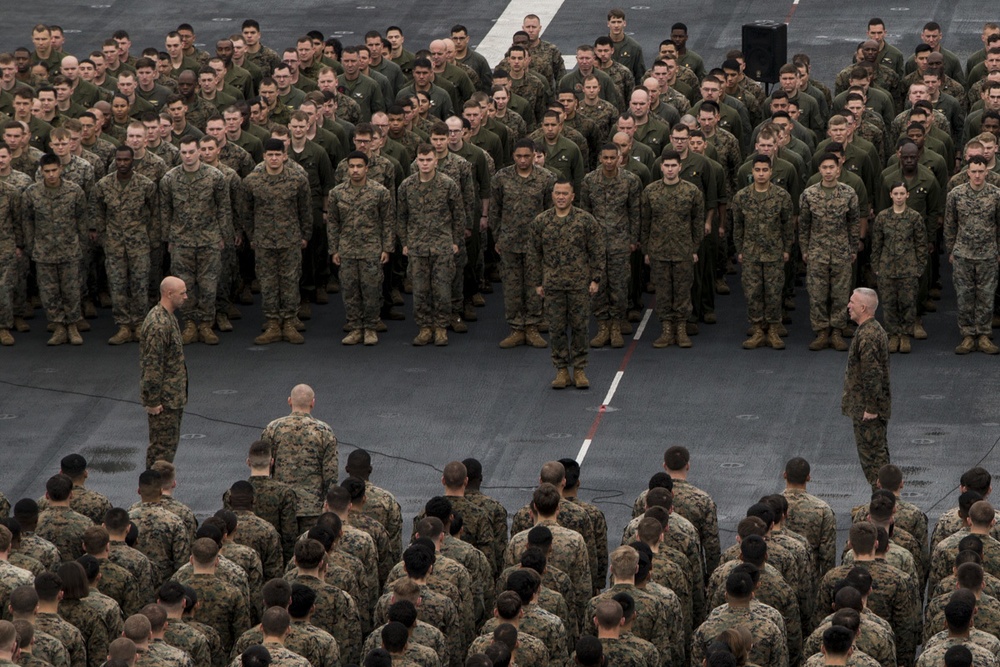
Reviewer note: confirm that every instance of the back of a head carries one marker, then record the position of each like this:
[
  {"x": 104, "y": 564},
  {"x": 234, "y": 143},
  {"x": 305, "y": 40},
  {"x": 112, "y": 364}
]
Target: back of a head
[
  {"x": 837, "y": 640},
  {"x": 156, "y": 616},
  {"x": 863, "y": 536},
  {"x": 958, "y": 656},
  {"x": 981, "y": 514},
  {"x": 627, "y": 603},
  {"x": 624, "y": 561},
  {"x": 499, "y": 654},
  {"x": 48, "y": 585},
  {"x": 848, "y": 597},
  {"x": 525, "y": 583},
  {"x": 572, "y": 469},
  {"x": 506, "y": 633},
  {"x": 609, "y": 614},
  {"x": 508, "y": 605},
  {"x": 545, "y": 500},
  {"x": 205, "y": 551},
  {"x": 378, "y": 658},
  {"x": 404, "y": 612},
  {"x": 417, "y": 560},
  {"x": 970, "y": 576},
  {"x": 739, "y": 585},
  {"x": 394, "y": 637},
  {"x": 478, "y": 660},
  {"x": 122, "y": 649},
  {"x": 137, "y": 628},
  {"x": 753, "y": 549},
  {"x": 797, "y": 470},
  {"x": 960, "y": 609},
  {"x": 977, "y": 479},
  {"x": 861, "y": 579},
  {"x": 275, "y": 622},
  {"x": 541, "y": 537},
  {"x": 589, "y": 651},
  {"x": 882, "y": 505},
  {"x": 890, "y": 477},
  {"x": 255, "y": 656},
  {"x": 847, "y": 618},
  {"x": 972, "y": 543},
  {"x": 303, "y": 601}
]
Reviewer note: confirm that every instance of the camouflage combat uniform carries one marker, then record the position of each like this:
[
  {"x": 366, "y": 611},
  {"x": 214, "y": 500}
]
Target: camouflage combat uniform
[
  {"x": 972, "y": 237},
  {"x": 899, "y": 251},
  {"x": 763, "y": 231},
  {"x": 866, "y": 389},
  {"x": 305, "y": 457},
  {"x": 163, "y": 382}
]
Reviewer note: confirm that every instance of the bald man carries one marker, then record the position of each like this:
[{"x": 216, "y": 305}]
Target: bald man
[
  {"x": 162, "y": 372},
  {"x": 867, "y": 398},
  {"x": 304, "y": 450}
]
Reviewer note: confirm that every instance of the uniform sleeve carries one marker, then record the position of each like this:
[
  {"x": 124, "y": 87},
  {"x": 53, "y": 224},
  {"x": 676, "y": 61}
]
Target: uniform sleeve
[
  {"x": 697, "y": 220},
  {"x": 223, "y": 207},
  {"x": 645, "y": 220},
  {"x": 402, "y": 215},
  {"x": 333, "y": 223},
  {"x": 303, "y": 205},
  {"x": 920, "y": 247},
  {"x": 853, "y": 222},
  {"x": 151, "y": 368},
  {"x": 325, "y": 172},
  {"x": 634, "y": 209},
  {"x": 81, "y": 209},
  {"x": 596, "y": 244},
  {"x": 473, "y": 204},
  {"x": 805, "y": 222},
  {"x": 181, "y": 548},
  {"x": 496, "y": 206},
  {"x": 458, "y": 214},
  {"x": 534, "y": 261},
  {"x": 738, "y": 222},
  {"x": 878, "y": 238},
  {"x": 387, "y": 211}
]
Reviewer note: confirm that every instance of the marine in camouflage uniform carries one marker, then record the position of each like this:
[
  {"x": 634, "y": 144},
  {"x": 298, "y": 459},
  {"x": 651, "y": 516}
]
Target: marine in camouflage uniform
[
  {"x": 769, "y": 646},
  {"x": 867, "y": 391},
  {"x": 335, "y": 613},
  {"x": 127, "y": 216},
  {"x": 64, "y": 528},
  {"x": 934, "y": 655},
  {"x": 531, "y": 651},
  {"x": 564, "y": 256},
  {"x": 121, "y": 586},
  {"x": 546, "y": 627},
  {"x": 829, "y": 233},
  {"x": 181, "y": 635},
  {"x": 515, "y": 202},
  {"x": 987, "y": 615},
  {"x": 361, "y": 233},
  {"x": 763, "y": 233},
  {"x": 137, "y": 564},
  {"x": 972, "y": 240},
  {"x": 568, "y": 554},
  {"x": 672, "y": 228},
  {"x": 812, "y": 517},
  {"x": 431, "y": 221},
  {"x": 223, "y": 607},
  {"x": 197, "y": 217},
  {"x": 305, "y": 457},
  {"x": 87, "y": 502},
  {"x": 613, "y": 199},
  {"x": 654, "y": 620},
  {"x": 11, "y": 250},
  {"x": 56, "y": 222},
  {"x": 162, "y": 654},
  {"x": 498, "y": 518},
  {"x": 899, "y": 252},
  {"x": 697, "y": 506},
  {"x": 279, "y": 224},
  {"x": 87, "y": 616},
  {"x": 384, "y": 508},
  {"x": 875, "y": 638},
  {"x": 163, "y": 381},
  {"x": 163, "y": 539},
  {"x": 274, "y": 502},
  {"x": 67, "y": 634}
]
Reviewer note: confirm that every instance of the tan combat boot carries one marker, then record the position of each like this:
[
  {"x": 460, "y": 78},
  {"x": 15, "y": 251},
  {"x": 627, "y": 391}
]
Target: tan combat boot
[
  {"x": 20, "y": 325},
  {"x": 893, "y": 344},
  {"x": 904, "y": 345},
  {"x": 580, "y": 379},
  {"x": 626, "y": 327},
  {"x": 756, "y": 338},
  {"x": 272, "y": 333},
  {"x": 513, "y": 339},
  {"x": 682, "y": 337},
  {"x": 5, "y": 338},
  {"x": 821, "y": 342},
  {"x": 918, "y": 330},
  {"x": 562, "y": 379},
  {"x": 440, "y": 336},
  {"x": 666, "y": 338},
  {"x": 774, "y": 338},
  {"x": 616, "y": 334},
  {"x": 425, "y": 336},
  {"x": 190, "y": 333},
  {"x": 533, "y": 338},
  {"x": 206, "y": 335},
  {"x": 74, "y": 335},
  {"x": 83, "y": 326},
  {"x": 987, "y": 346},
  {"x": 353, "y": 338},
  {"x": 291, "y": 334},
  {"x": 967, "y": 345},
  {"x": 371, "y": 338},
  {"x": 58, "y": 335},
  {"x": 123, "y": 336},
  {"x": 603, "y": 335},
  {"x": 457, "y": 325},
  {"x": 222, "y": 321},
  {"x": 837, "y": 341}
]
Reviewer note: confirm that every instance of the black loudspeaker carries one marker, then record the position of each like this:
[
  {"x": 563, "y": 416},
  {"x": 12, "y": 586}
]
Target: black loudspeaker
[{"x": 765, "y": 50}]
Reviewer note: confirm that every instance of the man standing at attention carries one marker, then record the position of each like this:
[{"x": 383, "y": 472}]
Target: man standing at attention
[
  {"x": 565, "y": 254},
  {"x": 867, "y": 397},
  {"x": 163, "y": 373}
]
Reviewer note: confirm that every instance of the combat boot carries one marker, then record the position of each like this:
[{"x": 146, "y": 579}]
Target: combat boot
[
  {"x": 58, "y": 335},
  {"x": 89, "y": 311},
  {"x": 682, "y": 337},
  {"x": 837, "y": 341},
  {"x": 425, "y": 336},
  {"x": 987, "y": 346},
  {"x": 333, "y": 285},
  {"x": 779, "y": 328},
  {"x": 533, "y": 338},
  {"x": 893, "y": 344},
  {"x": 690, "y": 328},
  {"x": 562, "y": 379},
  {"x": 821, "y": 342},
  {"x": 580, "y": 379},
  {"x": 918, "y": 330},
  {"x": 774, "y": 338},
  {"x": 381, "y": 327},
  {"x": 222, "y": 321},
  {"x": 74, "y": 335},
  {"x": 82, "y": 326},
  {"x": 272, "y": 333},
  {"x": 626, "y": 327},
  {"x": 904, "y": 344},
  {"x": 190, "y": 333},
  {"x": 5, "y": 338},
  {"x": 246, "y": 296},
  {"x": 371, "y": 338},
  {"x": 353, "y": 338},
  {"x": 513, "y": 339},
  {"x": 478, "y": 301},
  {"x": 290, "y": 333},
  {"x": 457, "y": 325},
  {"x": 123, "y": 336},
  {"x": 967, "y": 345},
  {"x": 234, "y": 313},
  {"x": 603, "y": 335},
  {"x": 469, "y": 311},
  {"x": 616, "y": 334},
  {"x": 322, "y": 298},
  {"x": 666, "y": 338},
  {"x": 305, "y": 310},
  {"x": 756, "y": 338},
  {"x": 297, "y": 323},
  {"x": 721, "y": 287},
  {"x": 440, "y": 336},
  {"x": 21, "y": 325},
  {"x": 206, "y": 335}
]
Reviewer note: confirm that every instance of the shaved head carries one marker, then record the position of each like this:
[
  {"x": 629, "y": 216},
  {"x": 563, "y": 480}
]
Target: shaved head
[{"x": 302, "y": 396}]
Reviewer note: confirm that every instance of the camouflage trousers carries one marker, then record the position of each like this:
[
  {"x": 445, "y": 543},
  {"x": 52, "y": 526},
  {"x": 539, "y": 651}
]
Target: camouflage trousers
[
  {"x": 199, "y": 268},
  {"x": 164, "y": 435},
  {"x": 975, "y": 284},
  {"x": 672, "y": 281},
  {"x": 278, "y": 271},
  {"x": 59, "y": 290},
  {"x": 432, "y": 277},
  {"x": 873, "y": 446},
  {"x": 829, "y": 288},
  {"x": 762, "y": 285},
  {"x": 898, "y": 297},
  {"x": 128, "y": 281},
  {"x": 229, "y": 278},
  {"x": 8, "y": 276},
  {"x": 611, "y": 300},
  {"x": 703, "y": 287},
  {"x": 568, "y": 309},
  {"x": 361, "y": 288},
  {"x": 521, "y": 304},
  {"x": 462, "y": 260}
]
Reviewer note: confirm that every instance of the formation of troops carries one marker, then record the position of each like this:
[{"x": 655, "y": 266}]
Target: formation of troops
[
  {"x": 375, "y": 171},
  {"x": 308, "y": 564}
]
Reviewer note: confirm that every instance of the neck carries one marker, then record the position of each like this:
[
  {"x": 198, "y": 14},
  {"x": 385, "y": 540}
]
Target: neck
[
  {"x": 263, "y": 471},
  {"x": 613, "y": 633},
  {"x": 203, "y": 569},
  {"x": 47, "y": 607},
  {"x": 859, "y": 557},
  {"x": 271, "y": 639}
]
